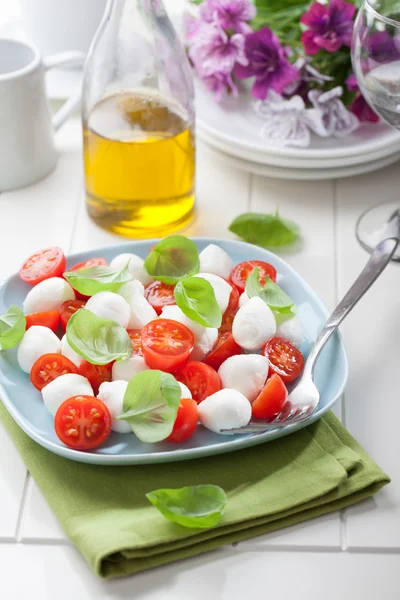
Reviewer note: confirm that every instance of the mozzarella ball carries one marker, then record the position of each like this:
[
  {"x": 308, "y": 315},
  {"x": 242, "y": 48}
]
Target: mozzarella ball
[
  {"x": 290, "y": 329},
  {"x": 141, "y": 312},
  {"x": 245, "y": 373},
  {"x": 64, "y": 387},
  {"x": 216, "y": 261},
  {"x": 225, "y": 409},
  {"x": 136, "y": 267},
  {"x": 124, "y": 370},
  {"x": 130, "y": 289},
  {"x": 204, "y": 343},
  {"x": 69, "y": 352},
  {"x": 48, "y": 295},
  {"x": 37, "y": 341},
  {"x": 243, "y": 299},
  {"x": 108, "y": 305},
  {"x": 112, "y": 394},
  {"x": 222, "y": 289},
  {"x": 185, "y": 392},
  {"x": 254, "y": 324}
]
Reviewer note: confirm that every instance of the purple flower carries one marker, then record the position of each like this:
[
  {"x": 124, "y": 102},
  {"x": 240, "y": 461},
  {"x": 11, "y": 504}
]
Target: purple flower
[
  {"x": 337, "y": 120},
  {"x": 220, "y": 83},
  {"x": 213, "y": 51},
  {"x": 360, "y": 106},
  {"x": 267, "y": 63},
  {"x": 307, "y": 74},
  {"x": 381, "y": 47},
  {"x": 230, "y": 14},
  {"x": 329, "y": 27}
]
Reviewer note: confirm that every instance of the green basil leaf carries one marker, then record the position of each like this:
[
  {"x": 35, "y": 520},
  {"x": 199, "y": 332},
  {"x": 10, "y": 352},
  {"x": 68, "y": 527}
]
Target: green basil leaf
[
  {"x": 196, "y": 298},
  {"x": 196, "y": 506},
  {"x": 99, "y": 341},
  {"x": 265, "y": 229},
  {"x": 173, "y": 258},
  {"x": 98, "y": 279},
  {"x": 150, "y": 406},
  {"x": 253, "y": 285},
  {"x": 271, "y": 293},
  {"x": 12, "y": 327}
]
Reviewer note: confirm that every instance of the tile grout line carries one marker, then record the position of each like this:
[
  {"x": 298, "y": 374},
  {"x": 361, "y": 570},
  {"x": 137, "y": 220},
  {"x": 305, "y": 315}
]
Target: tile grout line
[{"x": 24, "y": 505}]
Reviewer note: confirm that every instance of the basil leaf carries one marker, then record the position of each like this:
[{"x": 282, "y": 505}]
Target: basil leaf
[
  {"x": 12, "y": 327},
  {"x": 99, "y": 341},
  {"x": 196, "y": 506},
  {"x": 196, "y": 298},
  {"x": 98, "y": 279},
  {"x": 271, "y": 293},
  {"x": 265, "y": 229},
  {"x": 173, "y": 258},
  {"x": 150, "y": 406}
]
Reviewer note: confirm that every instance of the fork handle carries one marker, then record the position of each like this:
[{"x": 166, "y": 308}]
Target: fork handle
[{"x": 379, "y": 259}]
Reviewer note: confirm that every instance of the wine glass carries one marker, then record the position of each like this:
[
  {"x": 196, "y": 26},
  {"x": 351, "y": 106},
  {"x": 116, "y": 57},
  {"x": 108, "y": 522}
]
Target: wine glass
[{"x": 376, "y": 64}]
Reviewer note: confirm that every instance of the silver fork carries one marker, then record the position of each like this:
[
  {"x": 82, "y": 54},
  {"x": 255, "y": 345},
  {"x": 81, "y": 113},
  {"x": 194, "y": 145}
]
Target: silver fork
[{"x": 296, "y": 410}]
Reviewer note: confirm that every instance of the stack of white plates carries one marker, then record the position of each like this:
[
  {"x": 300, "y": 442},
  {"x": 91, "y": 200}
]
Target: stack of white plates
[{"x": 233, "y": 128}]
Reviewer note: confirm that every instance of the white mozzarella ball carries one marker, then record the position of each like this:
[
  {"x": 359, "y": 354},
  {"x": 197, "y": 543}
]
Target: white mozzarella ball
[
  {"x": 216, "y": 261},
  {"x": 37, "y": 341},
  {"x": 141, "y": 312},
  {"x": 185, "y": 392},
  {"x": 204, "y": 344},
  {"x": 108, "y": 305},
  {"x": 69, "y": 352},
  {"x": 243, "y": 299},
  {"x": 64, "y": 387},
  {"x": 245, "y": 373},
  {"x": 130, "y": 289},
  {"x": 254, "y": 324},
  {"x": 48, "y": 295},
  {"x": 222, "y": 289},
  {"x": 124, "y": 370},
  {"x": 225, "y": 409},
  {"x": 136, "y": 267},
  {"x": 112, "y": 394},
  {"x": 290, "y": 329}
]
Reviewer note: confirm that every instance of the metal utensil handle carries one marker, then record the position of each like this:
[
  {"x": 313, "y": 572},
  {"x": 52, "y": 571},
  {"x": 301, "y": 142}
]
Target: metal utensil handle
[{"x": 379, "y": 259}]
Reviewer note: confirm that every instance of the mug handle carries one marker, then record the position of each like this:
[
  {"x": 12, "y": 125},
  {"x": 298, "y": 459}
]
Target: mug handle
[{"x": 73, "y": 58}]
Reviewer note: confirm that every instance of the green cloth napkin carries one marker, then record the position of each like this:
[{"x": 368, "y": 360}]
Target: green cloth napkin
[{"x": 104, "y": 511}]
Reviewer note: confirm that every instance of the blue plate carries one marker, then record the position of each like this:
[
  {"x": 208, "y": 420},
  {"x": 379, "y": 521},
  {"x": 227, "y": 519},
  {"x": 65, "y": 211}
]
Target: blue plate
[{"x": 25, "y": 404}]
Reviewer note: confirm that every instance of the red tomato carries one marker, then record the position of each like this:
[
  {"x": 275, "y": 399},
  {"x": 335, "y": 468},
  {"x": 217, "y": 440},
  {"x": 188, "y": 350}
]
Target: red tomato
[
  {"x": 166, "y": 344},
  {"x": 284, "y": 358},
  {"x": 96, "y": 374},
  {"x": 271, "y": 400},
  {"x": 48, "y": 319},
  {"x": 227, "y": 321},
  {"x": 83, "y": 422},
  {"x": 159, "y": 295},
  {"x": 225, "y": 347},
  {"x": 135, "y": 335},
  {"x": 241, "y": 272},
  {"x": 201, "y": 379},
  {"x": 91, "y": 262},
  {"x": 185, "y": 423},
  {"x": 67, "y": 309},
  {"x": 43, "y": 265},
  {"x": 48, "y": 367},
  {"x": 233, "y": 300}
]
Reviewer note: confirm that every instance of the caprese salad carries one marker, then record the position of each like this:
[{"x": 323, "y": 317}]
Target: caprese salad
[{"x": 154, "y": 348}]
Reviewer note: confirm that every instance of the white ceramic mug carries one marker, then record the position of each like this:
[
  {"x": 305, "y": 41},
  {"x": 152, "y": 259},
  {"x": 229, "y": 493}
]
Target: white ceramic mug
[
  {"x": 61, "y": 25},
  {"x": 27, "y": 150}
]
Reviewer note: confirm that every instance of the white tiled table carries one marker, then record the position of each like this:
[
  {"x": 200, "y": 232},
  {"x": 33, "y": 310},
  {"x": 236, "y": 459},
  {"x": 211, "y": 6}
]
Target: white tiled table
[{"x": 350, "y": 555}]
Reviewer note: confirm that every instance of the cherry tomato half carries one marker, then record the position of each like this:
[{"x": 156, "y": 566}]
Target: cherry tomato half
[
  {"x": 135, "y": 335},
  {"x": 83, "y": 422},
  {"x": 166, "y": 344},
  {"x": 241, "y": 272},
  {"x": 227, "y": 322},
  {"x": 185, "y": 423},
  {"x": 225, "y": 347},
  {"x": 284, "y": 359},
  {"x": 67, "y": 309},
  {"x": 91, "y": 262},
  {"x": 96, "y": 374},
  {"x": 271, "y": 400},
  {"x": 233, "y": 300},
  {"x": 201, "y": 379},
  {"x": 159, "y": 294},
  {"x": 48, "y": 367},
  {"x": 43, "y": 265},
  {"x": 50, "y": 319}
]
